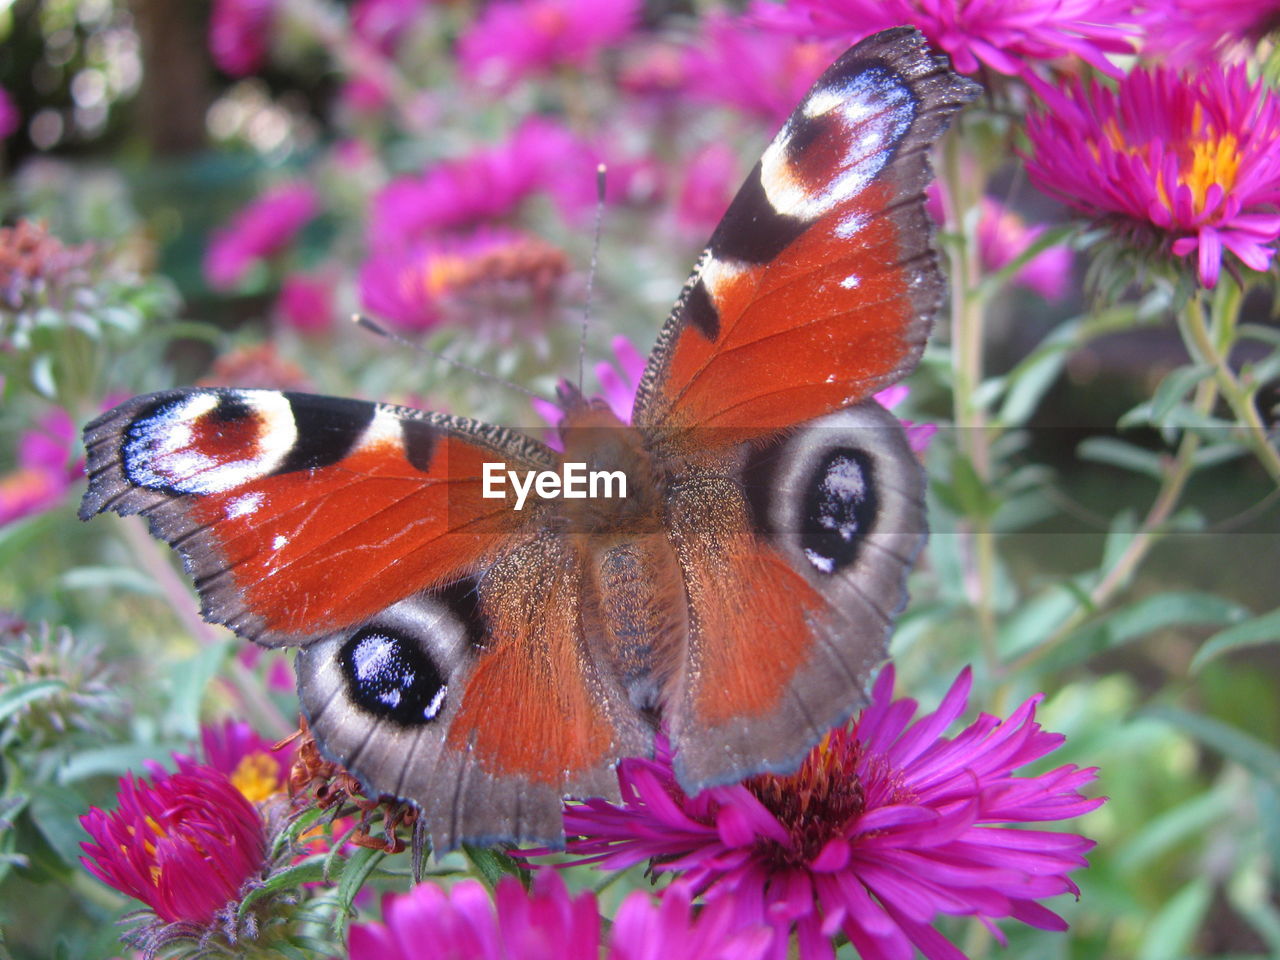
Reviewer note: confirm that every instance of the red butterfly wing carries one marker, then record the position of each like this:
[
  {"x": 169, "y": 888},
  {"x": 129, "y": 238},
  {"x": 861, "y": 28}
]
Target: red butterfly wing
[
  {"x": 297, "y": 515},
  {"x": 818, "y": 287}
]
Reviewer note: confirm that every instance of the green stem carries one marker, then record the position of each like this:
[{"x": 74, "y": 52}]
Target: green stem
[
  {"x": 1213, "y": 348},
  {"x": 1172, "y": 485},
  {"x": 968, "y": 324}
]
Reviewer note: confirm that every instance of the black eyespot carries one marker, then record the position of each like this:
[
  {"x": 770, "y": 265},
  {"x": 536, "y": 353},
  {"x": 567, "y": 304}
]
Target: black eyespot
[
  {"x": 839, "y": 510},
  {"x": 390, "y": 676}
]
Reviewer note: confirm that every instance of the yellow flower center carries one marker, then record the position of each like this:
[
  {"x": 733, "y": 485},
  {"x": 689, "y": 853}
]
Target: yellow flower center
[{"x": 257, "y": 777}]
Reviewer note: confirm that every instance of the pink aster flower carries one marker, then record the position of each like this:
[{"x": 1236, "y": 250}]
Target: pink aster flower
[
  {"x": 1012, "y": 37},
  {"x": 1191, "y": 162},
  {"x": 548, "y": 923},
  {"x": 489, "y": 184},
  {"x": 260, "y": 230},
  {"x": 45, "y": 468},
  {"x": 306, "y": 303},
  {"x": 709, "y": 182},
  {"x": 246, "y": 758},
  {"x": 1003, "y": 236},
  {"x": 918, "y": 434},
  {"x": 413, "y": 287},
  {"x": 1203, "y": 32},
  {"x": 240, "y": 34},
  {"x": 618, "y": 382},
  {"x": 10, "y": 118},
  {"x": 183, "y": 843},
  {"x": 512, "y": 40},
  {"x": 763, "y": 73},
  {"x": 886, "y": 825},
  {"x": 381, "y": 23}
]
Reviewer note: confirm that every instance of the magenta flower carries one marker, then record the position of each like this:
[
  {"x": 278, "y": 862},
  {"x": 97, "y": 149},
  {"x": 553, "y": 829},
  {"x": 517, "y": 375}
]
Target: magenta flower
[
  {"x": 184, "y": 843},
  {"x": 306, "y": 303},
  {"x": 487, "y": 185},
  {"x": 511, "y": 40},
  {"x": 1003, "y": 236},
  {"x": 886, "y": 825},
  {"x": 246, "y": 758},
  {"x": 762, "y": 72},
  {"x": 260, "y": 230},
  {"x": 708, "y": 186},
  {"x": 381, "y": 23},
  {"x": 45, "y": 469},
  {"x": 413, "y": 287},
  {"x": 240, "y": 34},
  {"x": 1188, "y": 163},
  {"x": 1012, "y": 37},
  {"x": 548, "y": 924},
  {"x": 1200, "y": 33},
  {"x": 10, "y": 118},
  {"x": 918, "y": 434}
]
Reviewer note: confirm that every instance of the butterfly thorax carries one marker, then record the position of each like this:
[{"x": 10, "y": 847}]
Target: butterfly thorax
[{"x": 594, "y": 436}]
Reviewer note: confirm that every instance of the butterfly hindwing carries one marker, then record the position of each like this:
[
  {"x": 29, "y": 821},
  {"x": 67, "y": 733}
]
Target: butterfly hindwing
[
  {"x": 481, "y": 703},
  {"x": 818, "y": 287},
  {"x": 795, "y": 556}
]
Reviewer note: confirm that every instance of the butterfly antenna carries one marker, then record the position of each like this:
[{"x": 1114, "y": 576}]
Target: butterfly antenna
[
  {"x": 373, "y": 326},
  {"x": 591, "y": 272}
]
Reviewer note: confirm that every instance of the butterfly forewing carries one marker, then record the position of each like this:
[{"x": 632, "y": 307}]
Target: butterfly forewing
[{"x": 818, "y": 287}]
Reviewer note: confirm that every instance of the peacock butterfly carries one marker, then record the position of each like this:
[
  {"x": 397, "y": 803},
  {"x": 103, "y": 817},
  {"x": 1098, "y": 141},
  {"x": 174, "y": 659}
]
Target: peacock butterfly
[{"x": 485, "y": 662}]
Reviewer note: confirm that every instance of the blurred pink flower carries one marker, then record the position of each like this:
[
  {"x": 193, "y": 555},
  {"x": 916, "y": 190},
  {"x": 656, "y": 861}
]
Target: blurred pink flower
[
  {"x": 1189, "y": 164},
  {"x": 1012, "y": 37},
  {"x": 412, "y": 287},
  {"x": 918, "y": 434},
  {"x": 10, "y": 118},
  {"x": 381, "y": 23},
  {"x": 491, "y": 183},
  {"x": 510, "y": 40},
  {"x": 240, "y": 34},
  {"x": 762, "y": 72},
  {"x": 306, "y": 303},
  {"x": 280, "y": 676},
  {"x": 710, "y": 178},
  {"x": 619, "y": 380},
  {"x": 364, "y": 93},
  {"x": 886, "y": 825},
  {"x": 549, "y": 923},
  {"x": 45, "y": 470},
  {"x": 183, "y": 843},
  {"x": 1199, "y": 33},
  {"x": 263, "y": 228},
  {"x": 1003, "y": 236},
  {"x": 247, "y": 759}
]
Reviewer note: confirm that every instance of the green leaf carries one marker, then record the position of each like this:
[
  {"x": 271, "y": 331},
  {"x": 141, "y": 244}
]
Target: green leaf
[
  {"x": 1173, "y": 931},
  {"x": 492, "y": 865},
  {"x": 1118, "y": 453},
  {"x": 126, "y": 579},
  {"x": 358, "y": 868},
  {"x": 17, "y": 697},
  {"x": 42, "y": 378},
  {"x": 55, "y": 811},
  {"x": 971, "y": 494},
  {"x": 1251, "y": 753},
  {"x": 1149, "y": 614},
  {"x": 310, "y": 870},
  {"x": 190, "y": 680},
  {"x": 1188, "y": 820},
  {"x": 1252, "y": 633},
  {"x": 113, "y": 760},
  {"x": 1177, "y": 384}
]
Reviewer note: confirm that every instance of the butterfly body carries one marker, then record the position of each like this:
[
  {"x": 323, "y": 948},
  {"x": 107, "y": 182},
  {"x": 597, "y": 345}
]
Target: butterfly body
[{"x": 485, "y": 659}]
